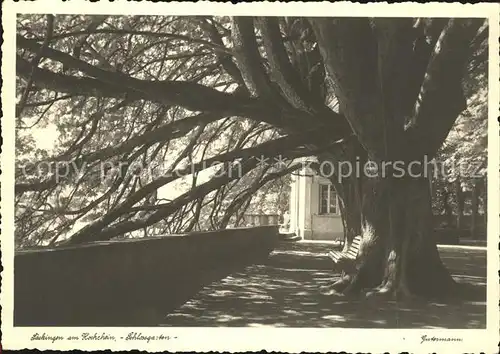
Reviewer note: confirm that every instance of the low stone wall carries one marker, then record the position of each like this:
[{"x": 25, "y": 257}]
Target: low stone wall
[{"x": 132, "y": 282}]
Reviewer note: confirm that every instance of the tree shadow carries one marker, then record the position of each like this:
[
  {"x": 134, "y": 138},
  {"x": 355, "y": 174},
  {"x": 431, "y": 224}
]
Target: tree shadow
[{"x": 285, "y": 292}]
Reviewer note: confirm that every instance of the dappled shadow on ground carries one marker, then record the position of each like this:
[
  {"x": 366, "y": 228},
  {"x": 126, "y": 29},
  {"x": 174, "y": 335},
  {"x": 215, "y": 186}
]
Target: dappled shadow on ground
[{"x": 285, "y": 292}]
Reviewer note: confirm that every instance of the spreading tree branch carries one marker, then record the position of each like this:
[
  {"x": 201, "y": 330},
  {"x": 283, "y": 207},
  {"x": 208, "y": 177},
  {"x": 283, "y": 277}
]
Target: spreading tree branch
[{"x": 441, "y": 96}]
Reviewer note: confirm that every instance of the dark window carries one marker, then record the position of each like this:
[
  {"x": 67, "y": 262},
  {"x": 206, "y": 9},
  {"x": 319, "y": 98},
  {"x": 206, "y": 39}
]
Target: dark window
[{"x": 327, "y": 199}]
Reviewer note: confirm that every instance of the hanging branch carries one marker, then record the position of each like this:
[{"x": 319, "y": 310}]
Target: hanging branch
[{"x": 34, "y": 64}]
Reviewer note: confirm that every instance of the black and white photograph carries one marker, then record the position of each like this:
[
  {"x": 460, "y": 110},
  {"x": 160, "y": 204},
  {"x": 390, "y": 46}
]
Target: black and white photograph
[{"x": 166, "y": 172}]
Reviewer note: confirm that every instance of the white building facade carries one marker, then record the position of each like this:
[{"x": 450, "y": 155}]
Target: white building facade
[{"x": 314, "y": 207}]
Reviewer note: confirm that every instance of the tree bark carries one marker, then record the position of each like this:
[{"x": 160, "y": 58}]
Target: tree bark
[
  {"x": 350, "y": 211},
  {"x": 347, "y": 183},
  {"x": 398, "y": 254}
]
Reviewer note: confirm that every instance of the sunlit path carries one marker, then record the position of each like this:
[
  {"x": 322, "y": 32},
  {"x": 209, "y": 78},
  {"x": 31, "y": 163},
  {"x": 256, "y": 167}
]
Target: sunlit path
[{"x": 284, "y": 292}]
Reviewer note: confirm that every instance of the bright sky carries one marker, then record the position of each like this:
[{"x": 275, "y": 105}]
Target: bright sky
[{"x": 46, "y": 138}]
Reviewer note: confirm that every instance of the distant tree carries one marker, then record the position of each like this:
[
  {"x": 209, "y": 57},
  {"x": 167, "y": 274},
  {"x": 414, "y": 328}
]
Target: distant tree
[{"x": 462, "y": 159}]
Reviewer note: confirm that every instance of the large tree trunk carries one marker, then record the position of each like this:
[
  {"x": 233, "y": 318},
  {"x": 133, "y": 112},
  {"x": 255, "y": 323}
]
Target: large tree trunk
[
  {"x": 350, "y": 210},
  {"x": 347, "y": 184},
  {"x": 398, "y": 255},
  {"x": 397, "y": 117}
]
